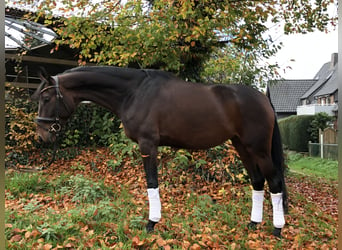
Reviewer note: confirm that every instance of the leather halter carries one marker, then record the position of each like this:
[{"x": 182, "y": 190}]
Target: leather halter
[{"x": 55, "y": 127}]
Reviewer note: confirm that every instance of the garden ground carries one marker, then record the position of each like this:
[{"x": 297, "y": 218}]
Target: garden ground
[{"x": 86, "y": 203}]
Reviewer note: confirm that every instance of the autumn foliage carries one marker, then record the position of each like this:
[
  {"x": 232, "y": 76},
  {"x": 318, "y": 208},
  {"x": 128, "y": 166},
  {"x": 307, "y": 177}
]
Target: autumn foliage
[
  {"x": 182, "y": 35},
  {"x": 86, "y": 203}
]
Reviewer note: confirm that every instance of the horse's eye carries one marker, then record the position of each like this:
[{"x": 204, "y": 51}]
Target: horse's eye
[{"x": 46, "y": 99}]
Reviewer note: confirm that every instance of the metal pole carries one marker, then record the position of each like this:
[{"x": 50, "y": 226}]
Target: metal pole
[{"x": 321, "y": 145}]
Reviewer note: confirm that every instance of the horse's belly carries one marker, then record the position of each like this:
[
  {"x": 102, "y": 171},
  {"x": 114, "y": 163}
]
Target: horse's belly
[{"x": 194, "y": 137}]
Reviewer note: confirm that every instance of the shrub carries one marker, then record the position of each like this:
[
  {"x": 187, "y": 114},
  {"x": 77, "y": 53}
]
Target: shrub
[
  {"x": 225, "y": 165},
  {"x": 90, "y": 125},
  {"x": 124, "y": 149},
  {"x": 319, "y": 121},
  {"x": 294, "y": 132},
  {"x": 220, "y": 163}
]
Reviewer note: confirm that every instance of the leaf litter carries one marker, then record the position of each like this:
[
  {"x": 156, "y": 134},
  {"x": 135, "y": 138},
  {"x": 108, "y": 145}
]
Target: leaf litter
[{"x": 189, "y": 209}]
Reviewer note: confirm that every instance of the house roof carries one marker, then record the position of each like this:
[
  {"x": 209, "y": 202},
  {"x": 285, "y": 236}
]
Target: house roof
[
  {"x": 327, "y": 80},
  {"x": 320, "y": 81},
  {"x": 285, "y": 94},
  {"x": 331, "y": 83}
]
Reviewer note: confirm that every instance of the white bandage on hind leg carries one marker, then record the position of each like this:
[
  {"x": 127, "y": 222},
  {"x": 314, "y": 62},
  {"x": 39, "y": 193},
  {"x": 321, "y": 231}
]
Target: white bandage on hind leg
[
  {"x": 257, "y": 205},
  {"x": 154, "y": 202},
  {"x": 278, "y": 210}
]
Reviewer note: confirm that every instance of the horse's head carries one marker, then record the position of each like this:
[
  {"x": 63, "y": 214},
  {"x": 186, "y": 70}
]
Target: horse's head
[{"x": 52, "y": 109}]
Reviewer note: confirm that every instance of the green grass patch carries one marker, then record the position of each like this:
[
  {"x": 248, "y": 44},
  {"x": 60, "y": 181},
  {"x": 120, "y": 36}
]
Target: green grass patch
[
  {"x": 68, "y": 210},
  {"x": 29, "y": 183},
  {"x": 313, "y": 166}
]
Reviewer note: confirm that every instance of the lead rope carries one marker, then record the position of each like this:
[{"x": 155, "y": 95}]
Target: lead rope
[
  {"x": 38, "y": 169},
  {"x": 53, "y": 129}
]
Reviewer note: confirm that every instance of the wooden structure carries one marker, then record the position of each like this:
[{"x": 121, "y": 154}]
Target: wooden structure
[
  {"x": 22, "y": 68},
  {"x": 329, "y": 136}
]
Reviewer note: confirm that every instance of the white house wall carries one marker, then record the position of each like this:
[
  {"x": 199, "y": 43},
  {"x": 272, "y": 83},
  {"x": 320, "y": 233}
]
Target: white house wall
[{"x": 314, "y": 109}]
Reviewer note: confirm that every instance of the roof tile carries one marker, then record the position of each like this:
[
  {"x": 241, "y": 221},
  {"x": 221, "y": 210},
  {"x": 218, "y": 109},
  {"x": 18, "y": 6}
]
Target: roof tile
[{"x": 285, "y": 94}]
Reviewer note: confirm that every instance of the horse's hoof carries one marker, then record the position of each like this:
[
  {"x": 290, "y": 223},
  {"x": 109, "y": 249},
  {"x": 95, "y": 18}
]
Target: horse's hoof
[
  {"x": 252, "y": 225},
  {"x": 277, "y": 232},
  {"x": 150, "y": 226}
]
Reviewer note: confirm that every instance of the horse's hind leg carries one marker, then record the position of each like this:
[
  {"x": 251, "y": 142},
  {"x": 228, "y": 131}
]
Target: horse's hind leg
[
  {"x": 257, "y": 181},
  {"x": 274, "y": 179},
  {"x": 260, "y": 168}
]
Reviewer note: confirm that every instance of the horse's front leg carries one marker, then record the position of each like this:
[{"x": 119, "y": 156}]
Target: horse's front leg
[{"x": 149, "y": 154}]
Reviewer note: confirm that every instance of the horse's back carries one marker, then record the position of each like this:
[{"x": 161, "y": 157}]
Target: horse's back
[{"x": 193, "y": 115}]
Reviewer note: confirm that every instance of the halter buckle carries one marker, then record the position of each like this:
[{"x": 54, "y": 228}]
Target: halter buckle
[{"x": 55, "y": 128}]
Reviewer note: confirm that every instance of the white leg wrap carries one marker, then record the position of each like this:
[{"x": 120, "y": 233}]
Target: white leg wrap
[
  {"x": 257, "y": 205},
  {"x": 154, "y": 202},
  {"x": 278, "y": 210}
]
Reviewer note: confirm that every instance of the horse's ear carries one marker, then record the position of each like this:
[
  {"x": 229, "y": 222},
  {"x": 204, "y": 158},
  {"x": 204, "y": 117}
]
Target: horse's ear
[
  {"x": 45, "y": 78},
  {"x": 43, "y": 75},
  {"x": 35, "y": 96}
]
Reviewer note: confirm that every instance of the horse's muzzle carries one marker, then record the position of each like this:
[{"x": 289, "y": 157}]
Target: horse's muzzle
[
  {"x": 46, "y": 136},
  {"x": 48, "y": 133}
]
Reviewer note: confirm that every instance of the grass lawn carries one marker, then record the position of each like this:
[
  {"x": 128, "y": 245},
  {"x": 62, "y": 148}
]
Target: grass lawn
[{"x": 312, "y": 166}]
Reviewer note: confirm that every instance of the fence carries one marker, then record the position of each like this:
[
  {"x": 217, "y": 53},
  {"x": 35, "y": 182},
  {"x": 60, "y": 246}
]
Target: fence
[{"x": 326, "y": 151}]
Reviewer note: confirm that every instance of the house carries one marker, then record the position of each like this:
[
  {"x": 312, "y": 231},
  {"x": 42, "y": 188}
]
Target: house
[
  {"x": 323, "y": 95},
  {"x": 29, "y": 45},
  {"x": 308, "y": 97},
  {"x": 286, "y": 95}
]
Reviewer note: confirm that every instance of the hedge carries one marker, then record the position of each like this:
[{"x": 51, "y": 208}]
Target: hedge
[
  {"x": 90, "y": 125},
  {"x": 294, "y": 132}
]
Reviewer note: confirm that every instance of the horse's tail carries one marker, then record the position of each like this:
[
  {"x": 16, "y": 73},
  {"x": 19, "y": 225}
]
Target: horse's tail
[
  {"x": 278, "y": 156},
  {"x": 278, "y": 161}
]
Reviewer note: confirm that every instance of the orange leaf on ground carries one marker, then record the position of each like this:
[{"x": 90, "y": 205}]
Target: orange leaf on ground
[
  {"x": 195, "y": 247},
  {"x": 16, "y": 238},
  {"x": 47, "y": 247},
  {"x": 28, "y": 234},
  {"x": 161, "y": 242},
  {"x": 137, "y": 242}
]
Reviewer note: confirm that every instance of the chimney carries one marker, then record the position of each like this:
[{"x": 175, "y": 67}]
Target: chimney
[{"x": 334, "y": 60}]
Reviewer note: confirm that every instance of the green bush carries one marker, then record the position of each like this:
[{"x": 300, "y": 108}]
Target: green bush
[
  {"x": 219, "y": 164},
  {"x": 90, "y": 125},
  {"x": 124, "y": 150},
  {"x": 320, "y": 121},
  {"x": 20, "y": 132},
  {"x": 294, "y": 132}
]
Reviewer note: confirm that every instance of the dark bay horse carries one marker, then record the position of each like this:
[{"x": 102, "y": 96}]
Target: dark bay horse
[{"x": 157, "y": 108}]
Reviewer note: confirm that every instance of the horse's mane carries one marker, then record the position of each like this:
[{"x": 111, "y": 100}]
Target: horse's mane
[{"x": 114, "y": 71}]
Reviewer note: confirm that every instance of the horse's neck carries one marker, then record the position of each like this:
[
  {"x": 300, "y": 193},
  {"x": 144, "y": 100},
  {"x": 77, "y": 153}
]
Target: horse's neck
[{"x": 107, "y": 91}]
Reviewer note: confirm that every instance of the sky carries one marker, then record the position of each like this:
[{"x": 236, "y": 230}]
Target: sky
[{"x": 309, "y": 52}]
